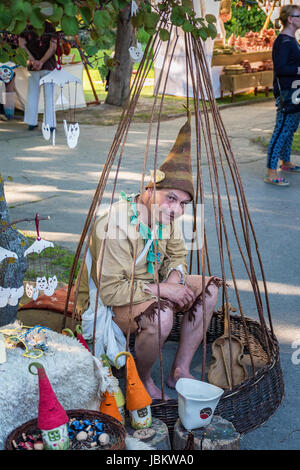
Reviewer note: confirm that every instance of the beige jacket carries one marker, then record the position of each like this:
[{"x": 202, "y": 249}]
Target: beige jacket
[{"x": 117, "y": 261}]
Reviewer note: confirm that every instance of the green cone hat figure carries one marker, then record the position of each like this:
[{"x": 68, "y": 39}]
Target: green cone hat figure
[{"x": 52, "y": 418}]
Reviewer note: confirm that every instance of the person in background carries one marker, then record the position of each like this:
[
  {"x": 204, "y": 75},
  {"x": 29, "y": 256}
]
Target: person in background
[
  {"x": 41, "y": 51},
  {"x": 286, "y": 60}
]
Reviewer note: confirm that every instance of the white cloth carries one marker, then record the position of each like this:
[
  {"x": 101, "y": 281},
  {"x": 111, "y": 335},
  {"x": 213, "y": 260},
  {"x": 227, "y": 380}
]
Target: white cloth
[
  {"x": 109, "y": 338},
  {"x": 32, "y": 102},
  {"x": 177, "y": 80}
]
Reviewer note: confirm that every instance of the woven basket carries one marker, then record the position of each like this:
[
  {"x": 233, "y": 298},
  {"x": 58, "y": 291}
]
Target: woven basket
[
  {"x": 111, "y": 426},
  {"x": 167, "y": 412},
  {"x": 250, "y": 404}
]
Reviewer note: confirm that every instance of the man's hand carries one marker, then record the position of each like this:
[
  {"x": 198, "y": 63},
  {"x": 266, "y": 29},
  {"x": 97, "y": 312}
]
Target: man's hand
[
  {"x": 181, "y": 295},
  {"x": 174, "y": 277}
]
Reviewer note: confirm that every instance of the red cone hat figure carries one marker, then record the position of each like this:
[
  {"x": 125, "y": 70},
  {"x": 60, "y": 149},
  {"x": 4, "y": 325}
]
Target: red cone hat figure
[{"x": 52, "y": 418}]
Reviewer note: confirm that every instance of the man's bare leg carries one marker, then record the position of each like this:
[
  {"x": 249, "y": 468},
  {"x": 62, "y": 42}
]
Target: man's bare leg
[
  {"x": 191, "y": 336},
  {"x": 147, "y": 347}
]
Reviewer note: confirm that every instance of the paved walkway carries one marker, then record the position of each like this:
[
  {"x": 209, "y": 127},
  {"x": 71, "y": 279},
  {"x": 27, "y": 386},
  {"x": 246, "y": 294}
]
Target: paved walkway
[{"x": 60, "y": 182}]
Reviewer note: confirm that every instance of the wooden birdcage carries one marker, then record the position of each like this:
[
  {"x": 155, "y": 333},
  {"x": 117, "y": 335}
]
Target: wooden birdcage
[{"x": 219, "y": 190}]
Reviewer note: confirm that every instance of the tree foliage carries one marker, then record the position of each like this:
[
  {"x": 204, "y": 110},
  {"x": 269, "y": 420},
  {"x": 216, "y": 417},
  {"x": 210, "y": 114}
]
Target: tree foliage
[
  {"x": 244, "y": 19},
  {"x": 93, "y": 22}
]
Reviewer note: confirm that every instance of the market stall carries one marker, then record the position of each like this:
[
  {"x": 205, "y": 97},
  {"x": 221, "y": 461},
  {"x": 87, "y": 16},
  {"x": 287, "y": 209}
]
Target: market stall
[{"x": 246, "y": 62}]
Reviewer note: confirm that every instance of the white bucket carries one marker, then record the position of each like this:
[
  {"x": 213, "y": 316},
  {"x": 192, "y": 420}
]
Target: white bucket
[{"x": 196, "y": 402}]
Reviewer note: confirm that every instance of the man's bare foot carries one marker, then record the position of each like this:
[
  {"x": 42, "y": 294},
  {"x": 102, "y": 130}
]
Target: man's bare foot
[
  {"x": 153, "y": 390},
  {"x": 176, "y": 375}
]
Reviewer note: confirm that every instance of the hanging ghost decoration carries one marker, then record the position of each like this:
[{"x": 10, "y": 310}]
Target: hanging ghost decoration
[
  {"x": 62, "y": 78},
  {"x": 46, "y": 131},
  {"x": 8, "y": 295},
  {"x": 14, "y": 295},
  {"x": 39, "y": 266},
  {"x": 5, "y": 254},
  {"x": 4, "y": 295},
  {"x": 136, "y": 53},
  {"x": 72, "y": 135}
]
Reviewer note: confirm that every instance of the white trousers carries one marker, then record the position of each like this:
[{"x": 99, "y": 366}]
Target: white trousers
[{"x": 33, "y": 94}]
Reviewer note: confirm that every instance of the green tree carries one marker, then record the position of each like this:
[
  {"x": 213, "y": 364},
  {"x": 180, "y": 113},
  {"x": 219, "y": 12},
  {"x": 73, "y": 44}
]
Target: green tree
[{"x": 98, "y": 25}]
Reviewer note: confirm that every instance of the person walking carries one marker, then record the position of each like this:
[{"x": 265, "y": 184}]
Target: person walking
[
  {"x": 42, "y": 60},
  {"x": 286, "y": 60}
]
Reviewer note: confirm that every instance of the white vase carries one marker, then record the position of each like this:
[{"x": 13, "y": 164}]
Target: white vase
[{"x": 196, "y": 402}]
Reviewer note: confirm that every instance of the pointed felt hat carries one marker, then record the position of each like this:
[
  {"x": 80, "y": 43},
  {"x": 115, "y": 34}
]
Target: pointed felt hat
[
  {"x": 51, "y": 413},
  {"x": 137, "y": 396},
  {"x": 176, "y": 170},
  {"x": 109, "y": 406}
]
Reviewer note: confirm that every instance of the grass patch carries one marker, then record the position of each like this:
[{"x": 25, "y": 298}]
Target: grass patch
[{"x": 264, "y": 141}]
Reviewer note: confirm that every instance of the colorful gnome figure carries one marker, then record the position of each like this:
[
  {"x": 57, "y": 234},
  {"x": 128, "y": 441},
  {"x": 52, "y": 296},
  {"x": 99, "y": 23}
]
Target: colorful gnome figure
[
  {"x": 119, "y": 397},
  {"x": 52, "y": 418},
  {"x": 109, "y": 406},
  {"x": 138, "y": 400}
]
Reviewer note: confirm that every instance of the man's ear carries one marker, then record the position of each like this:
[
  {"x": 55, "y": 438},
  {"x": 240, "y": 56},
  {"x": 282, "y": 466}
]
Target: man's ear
[{"x": 149, "y": 193}]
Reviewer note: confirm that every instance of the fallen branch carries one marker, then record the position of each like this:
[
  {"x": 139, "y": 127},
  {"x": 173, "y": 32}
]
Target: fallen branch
[{"x": 23, "y": 220}]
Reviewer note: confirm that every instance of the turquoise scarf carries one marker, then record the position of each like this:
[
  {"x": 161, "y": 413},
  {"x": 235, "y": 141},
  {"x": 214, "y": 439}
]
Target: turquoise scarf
[{"x": 145, "y": 232}]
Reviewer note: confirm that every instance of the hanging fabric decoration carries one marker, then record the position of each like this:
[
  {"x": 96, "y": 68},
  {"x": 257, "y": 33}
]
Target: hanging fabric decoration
[
  {"x": 136, "y": 53},
  {"x": 7, "y": 72},
  {"x": 8, "y": 295},
  {"x": 40, "y": 269},
  {"x": 63, "y": 80},
  {"x": 5, "y": 254},
  {"x": 134, "y": 8}
]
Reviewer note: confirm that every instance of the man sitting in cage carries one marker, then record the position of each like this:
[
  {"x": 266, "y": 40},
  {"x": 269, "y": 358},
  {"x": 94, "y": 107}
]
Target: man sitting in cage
[{"x": 164, "y": 284}]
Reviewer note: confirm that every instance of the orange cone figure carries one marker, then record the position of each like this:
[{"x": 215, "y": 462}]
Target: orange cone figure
[
  {"x": 137, "y": 399},
  {"x": 109, "y": 407}
]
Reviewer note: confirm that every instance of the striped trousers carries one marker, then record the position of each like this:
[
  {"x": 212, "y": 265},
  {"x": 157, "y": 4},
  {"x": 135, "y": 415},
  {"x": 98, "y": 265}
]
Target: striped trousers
[{"x": 279, "y": 147}]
